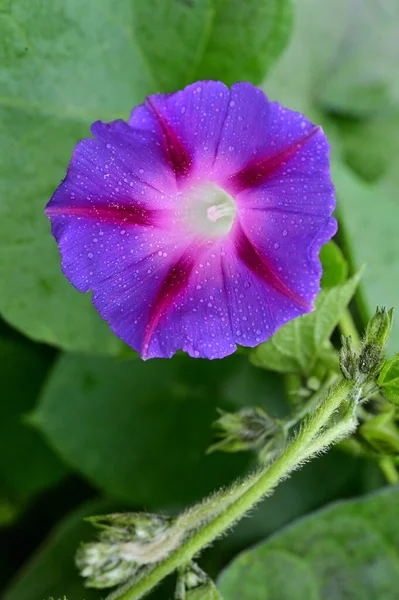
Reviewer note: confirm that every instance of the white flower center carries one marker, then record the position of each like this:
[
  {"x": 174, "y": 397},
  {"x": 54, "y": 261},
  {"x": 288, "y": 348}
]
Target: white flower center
[{"x": 210, "y": 209}]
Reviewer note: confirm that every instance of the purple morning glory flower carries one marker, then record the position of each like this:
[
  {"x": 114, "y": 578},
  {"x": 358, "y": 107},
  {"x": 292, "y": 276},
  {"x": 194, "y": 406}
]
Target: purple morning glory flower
[{"x": 198, "y": 224}]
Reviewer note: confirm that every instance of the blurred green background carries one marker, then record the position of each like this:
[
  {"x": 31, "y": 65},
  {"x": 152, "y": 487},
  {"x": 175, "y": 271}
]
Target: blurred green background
[{"x": 85, "y": 425}]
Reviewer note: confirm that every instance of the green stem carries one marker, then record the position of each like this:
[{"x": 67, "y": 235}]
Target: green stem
[
  {"x": 312, "y": 403},
  {"x": 337, "y": 432},
  {"x": 299, "y": 450},
  {"x": 348, "y": 328}
]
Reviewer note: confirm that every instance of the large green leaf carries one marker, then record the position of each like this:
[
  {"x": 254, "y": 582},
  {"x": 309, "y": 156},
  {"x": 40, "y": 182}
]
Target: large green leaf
[
  {"x": 370, "y": 214},
  {"x": 173, "y": 36},
  {"x": 140, "y": 429},
  {"x": 343, "y": 55},
  {"x": 63, "y": 65},
  {"x": 335, "y": 267},
  {"x": 296, "y": 346},
  {"x": 231, "y": 40},
  {"x": 299, "y": 76},
  {"x": 364, "y": 75},
  {"x": 348, "y": 551},
  {"x": 245, "y": 39},
  {"x": 388, "y": 380},
  {"x": 370, "y": 147},
  {"x": 23, "y": 368}
]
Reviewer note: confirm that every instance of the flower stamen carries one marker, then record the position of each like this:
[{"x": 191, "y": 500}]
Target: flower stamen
[
  {"x": 210, "y": 209},
  {"x": 219, "y": 211}
]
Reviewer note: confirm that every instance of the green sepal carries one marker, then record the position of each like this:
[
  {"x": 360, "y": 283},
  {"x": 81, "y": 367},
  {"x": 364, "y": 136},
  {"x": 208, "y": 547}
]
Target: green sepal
[
  {"x": 126, "y": 527},
  {"x": 388, "y": 380},
  {"x": 381, "y": 434}
]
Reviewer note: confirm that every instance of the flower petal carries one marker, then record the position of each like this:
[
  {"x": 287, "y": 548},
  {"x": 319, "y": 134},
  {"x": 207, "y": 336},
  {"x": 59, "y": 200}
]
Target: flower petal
[
  {"x": 123, "y": 220},
  {"x": 108, "y": 213},
  {"x": 289, "y": 245},
  {"x": 257, "y": 131},
  {"x": 300, "y": 186},
  {"x": 231, "y": 295},
  {"x": 120, "y": 167},
  {"x": 195, "y": 116},
  {"x": 259, "y": 303},
  {"x": 198, "y": 320},
  {"x": 134, "y": 300}
]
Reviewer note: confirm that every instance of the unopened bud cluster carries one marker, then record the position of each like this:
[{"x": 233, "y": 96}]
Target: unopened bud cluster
[
  {"x": 124, "y": 545},
  {"x": 248, "y": 429},
  {"x": 105, "y": 565},
  {"x": 366, "y": 363}
]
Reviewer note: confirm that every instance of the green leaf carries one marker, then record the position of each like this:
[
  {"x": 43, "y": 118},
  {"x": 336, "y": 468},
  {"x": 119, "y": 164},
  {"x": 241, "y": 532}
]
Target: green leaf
[
  {"x": 207, "y": 592},
  {"x": 296, "y": 346},
  {"x": 173, "y": 35},
  {"x": 64, "y": 65},
  {"x": 349, "y": 550},
  {"x": 381, "y": 434},
  {"x": 245, "y": 40},
  {"x": 230, "y": 40},
  {"x": 370, "y": 147},
  {"x": 248, "y": 386},
  {"x": 335, "y": 267},
  {"x": 370, "y": 215},
  {"x": 342, "y": 56},
  {"x": 141, "y": 429},
  {"x": 389, "y": 380},
  {"x": 23, "y": 367},
  {"x": 364, "y": 75},
  {"x": 299, "y": 76},
  {"x": 8, "y": 512}
]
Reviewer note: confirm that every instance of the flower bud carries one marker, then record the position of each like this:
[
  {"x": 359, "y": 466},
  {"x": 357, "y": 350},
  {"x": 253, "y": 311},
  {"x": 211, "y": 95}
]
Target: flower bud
[
  {"x": 365, "y": 364},
  {"x": 347, "y": 358},
  {"x": 128, "y": 527},
  {"x": 126, "y": 542},
  {"x": 104, "y": 565},
  {"x": 379, "y": 327},
  {"x": 371, "y": 355},
  {"x": 247, "y": 429}
]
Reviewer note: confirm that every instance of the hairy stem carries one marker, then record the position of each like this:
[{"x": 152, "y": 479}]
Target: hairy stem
[{"x": 261, "y": 484}]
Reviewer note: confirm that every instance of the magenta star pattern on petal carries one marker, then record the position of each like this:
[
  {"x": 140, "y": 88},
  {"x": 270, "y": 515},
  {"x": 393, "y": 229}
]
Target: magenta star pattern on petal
[{"x": 198, "y": 224}]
